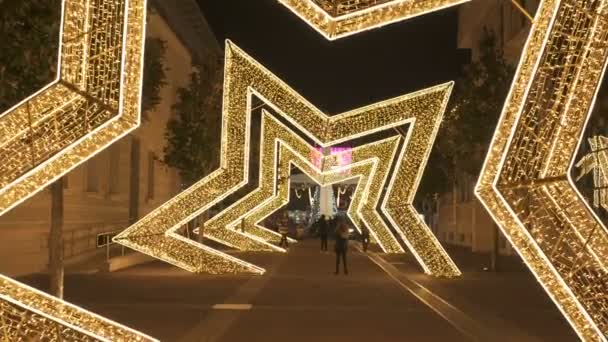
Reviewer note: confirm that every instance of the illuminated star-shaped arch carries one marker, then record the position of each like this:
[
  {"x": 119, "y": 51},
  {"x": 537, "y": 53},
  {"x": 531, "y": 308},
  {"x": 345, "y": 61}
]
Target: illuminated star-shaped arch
[
  {"x": 526, "y": 183},
  {"x": 156, "y": 234},
  {"x": 93, "y": 102},
  {"x": 336, "y": 19},
  {"x": 280, "y": 150}
]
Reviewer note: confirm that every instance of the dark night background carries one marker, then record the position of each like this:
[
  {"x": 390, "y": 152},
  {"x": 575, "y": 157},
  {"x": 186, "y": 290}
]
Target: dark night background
[{"x": 347, "y": 73}]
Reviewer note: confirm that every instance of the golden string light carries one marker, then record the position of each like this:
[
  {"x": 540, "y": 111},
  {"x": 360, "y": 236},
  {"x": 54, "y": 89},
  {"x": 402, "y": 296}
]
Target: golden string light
[
  {"x": 371, "y": 163},
  {"x": 27, "y": 314},
  {"x": 526, "y": 184},
  {"x": 94, "y": 101},
  {"x": 157, "y": 233},
  {"x": 596, "y": 162},
  {"x": 336, "y": 19}
]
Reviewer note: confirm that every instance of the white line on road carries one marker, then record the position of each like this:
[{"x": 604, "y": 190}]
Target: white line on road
[
  {"x": 232, "y": 306},
  {"x": 456, "y": 317}
]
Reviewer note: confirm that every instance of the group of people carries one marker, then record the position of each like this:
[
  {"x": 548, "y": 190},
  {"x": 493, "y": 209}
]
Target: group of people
[{"x": 324, "y": 226}]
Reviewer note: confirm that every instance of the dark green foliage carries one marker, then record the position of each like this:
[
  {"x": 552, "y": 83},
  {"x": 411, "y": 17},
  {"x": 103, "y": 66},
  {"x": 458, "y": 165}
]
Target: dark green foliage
[
  {"x": 29, "y": 37},
  {"x": 154, "y": 74},
  {"x": 471, "y": 118},
  {"x": 194, "y": 132}
]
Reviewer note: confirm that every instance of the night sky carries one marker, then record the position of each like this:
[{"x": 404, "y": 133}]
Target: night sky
[{"x": 347, "y": 73}]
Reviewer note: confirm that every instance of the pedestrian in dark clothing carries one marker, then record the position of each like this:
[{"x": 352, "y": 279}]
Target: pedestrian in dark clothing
[
  {"x": 283, "y": 224},
  {"x": 365, "y": 238},
  {"x": 323, "y": 227},
  {"x": 341, "y": 246}
]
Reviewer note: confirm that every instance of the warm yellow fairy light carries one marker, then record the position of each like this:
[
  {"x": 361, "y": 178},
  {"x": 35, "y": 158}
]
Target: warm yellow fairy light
[
  {"x": 94, "y": 101},
  {"x": 596, "y": 162},
  {"x": 526, "y": 183},
  {"x": 336, "y": 19},
  {"x": 27, "y": 314},
  {"x": 157, "y": 233},
  {"x": 370, "y": 162}
]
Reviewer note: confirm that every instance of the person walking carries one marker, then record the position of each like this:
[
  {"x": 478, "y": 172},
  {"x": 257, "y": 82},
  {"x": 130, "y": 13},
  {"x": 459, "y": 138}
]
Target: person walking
[
  {"x": 341, "y": 246},
  {"x": 323, "y": 228},
  {"x": 283, "y": 230},
  {"x": 365, "y": 238}
]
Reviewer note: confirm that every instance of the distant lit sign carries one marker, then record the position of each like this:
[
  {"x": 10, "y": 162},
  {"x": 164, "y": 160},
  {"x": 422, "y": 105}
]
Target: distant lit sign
[{"x": 343, "y": 155}]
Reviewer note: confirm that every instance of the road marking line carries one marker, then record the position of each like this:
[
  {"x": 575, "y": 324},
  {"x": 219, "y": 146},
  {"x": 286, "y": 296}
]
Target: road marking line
[
  {"x": 232, "y": 306},
  {"x": 453, "y": 315}
]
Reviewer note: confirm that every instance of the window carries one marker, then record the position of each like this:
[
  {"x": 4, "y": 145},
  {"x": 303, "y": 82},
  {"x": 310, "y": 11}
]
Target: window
[
  {"x": 114, "y": 174},
  {"x": 92, "y": 177},
  {"x": 151, "y": 159}
]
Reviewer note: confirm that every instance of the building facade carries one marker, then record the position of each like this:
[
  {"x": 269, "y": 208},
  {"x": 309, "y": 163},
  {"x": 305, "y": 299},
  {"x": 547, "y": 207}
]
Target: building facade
[
  {"x": 461, "y": 219},
  {"x": 127, "y": 180}
]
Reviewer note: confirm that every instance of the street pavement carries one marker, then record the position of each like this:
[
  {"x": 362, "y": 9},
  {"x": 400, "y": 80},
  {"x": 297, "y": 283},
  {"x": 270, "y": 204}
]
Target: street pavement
[{"x": 383, "y": 298}]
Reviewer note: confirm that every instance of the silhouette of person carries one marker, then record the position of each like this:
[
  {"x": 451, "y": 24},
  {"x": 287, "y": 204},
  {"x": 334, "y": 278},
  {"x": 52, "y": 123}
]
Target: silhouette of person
[
  {"x": 341, "y": 246},
  {"x": 283, "y": 230},
  {"x": 323, "y": 228},
  {"x": 365, "y": 238}
]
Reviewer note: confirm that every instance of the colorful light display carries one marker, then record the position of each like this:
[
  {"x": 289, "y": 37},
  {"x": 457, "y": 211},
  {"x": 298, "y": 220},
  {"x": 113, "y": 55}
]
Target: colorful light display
[
  {"x": 526, "y": 184},
  {"x": 336, "y": 19},
  {"x": 156, "y": 234}
]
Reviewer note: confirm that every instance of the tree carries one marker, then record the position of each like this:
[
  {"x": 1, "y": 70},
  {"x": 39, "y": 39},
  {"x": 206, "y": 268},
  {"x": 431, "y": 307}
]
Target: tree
[
  {"x": 470, "y": 122},
  {"x": 470, "y": 119},
  {"x": 29, "y": 32},
  {"x": 194, "y": 133},
  {"x": 154, "y": 75},
  {"x": 29, "y": 36}
]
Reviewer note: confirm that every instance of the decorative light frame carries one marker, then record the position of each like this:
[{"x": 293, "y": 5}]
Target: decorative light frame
[
  {"x": 157, "y": 233},
  {"x": 371, "y": 164},
  {"x": 526, "y": 183},
  {"x": 93, "y": 102},
  {"x": 98, "y": 86},
  {"x": 336, "y": 19},
  {"x": 596, "y": 161},
  {"x": 26, "y": 313}
]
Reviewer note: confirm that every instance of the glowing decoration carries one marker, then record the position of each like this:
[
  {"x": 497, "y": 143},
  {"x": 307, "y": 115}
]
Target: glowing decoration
[
  {"x": 340, "y": 193},
  {"x": 336, "y": 19},
  {"x": 94, "y": 101},
  {"x": 345, "y": 157},
  {"x": 372, "y": 163},
  {"x": 157, "y": 233},
  {"x": 526, "y": 184},
  {"x": 596, "y": 161},
  {"x": 27, "y": 314}
]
